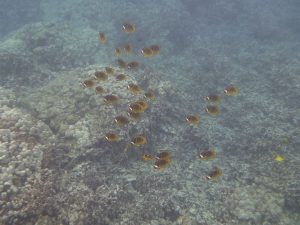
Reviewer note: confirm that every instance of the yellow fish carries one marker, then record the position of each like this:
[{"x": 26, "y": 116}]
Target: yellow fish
[{"x": 279, "y": 158}]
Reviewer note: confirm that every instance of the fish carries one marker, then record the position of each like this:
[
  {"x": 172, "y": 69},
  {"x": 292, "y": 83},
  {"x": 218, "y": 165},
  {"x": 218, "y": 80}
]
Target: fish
[
  {"x": 213, "y": 110},
  {"x": 149, "y": 95},
  {"x": 155, "y": 49},
  {"x": 117, "y": 52},
  {"x": 135, "y": 108},
  {"x": 134, "y": 88},
  {"x": 121, "y": 120},
  {"x": 112, "y": 137},
  {"x": 133, "y": 65},
  {"x": 99, "y": 90},
  {"x": 213, "y": 98},
  {"x": 121, "y": 77},
  {"x": 192, "y": 119},
  {"x": 122, "y": 63},
  {"x": 134, "y": 115},
  {"x": 111, "y": 99},
  {"x": 138, "y": 141},
  {"x": 100, "y": 75},
  {"x": 88, "y": 83},
  {"x": 102, "y": 38},
  {"x": 109, "y": 70},
  {"x": 128, "y": 27},
  {"x": 147, "y": 52},
  {"x": 231, "y": 91},
  {"x": 163, "y": 155},
  {"x": 143, "y": 103},
  {"x": 208, "y": 155},
  {"x": 214, "y": 174},
  {"x": 161, "y": 164},
  {"x": 279, "y": 158},
  {"x": 128, "y": 49}
]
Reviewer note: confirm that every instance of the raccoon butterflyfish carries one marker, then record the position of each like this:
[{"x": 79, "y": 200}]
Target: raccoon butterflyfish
[
  {"x": 134, "y": 88},
  {"x": 117, "y": 52},
  {"x": 279, "y": 158},
  {"x": 136, "y": 108},
  {"x": 155, "y": 49},
  {"x": 121, "y": 77},
  {"x": 128, "y": 28},
  {"x": 100, "y": 75},
  {"x": 214, "y": 174},
  {"x": 150, "y": 95},
  {"x": 134, "y": 115},
  {"x": 121, "y": 120},
  {"x": 144, "y": 104},
  {"x": 133, "y": 65},
  {"x": 138, "y": 141},
  {"x": 111, "y": 99},
  {"x": 231, "y": 91},
  {"x": 88, "y": 83},
  {"x": 147, "y": 157},
  {"x": 111, "y": 137},
  {"x": 163, "y": 155},
  {"x": 192, "y": 119},
  {"x": 127, "y": 49},
  {"x": 162, "y": 163},
  {"x": 147, "y": 52},
  {"x": 213, "y": 98},
  {"x": 122, "y": 63},
  {"x": 213, "y": 110},
  {"x": 99, "y": 90},
  {"x": 208, "y": 155},
  {"x": 109, "y": 70},
  {"x": 102, "y": 38}
]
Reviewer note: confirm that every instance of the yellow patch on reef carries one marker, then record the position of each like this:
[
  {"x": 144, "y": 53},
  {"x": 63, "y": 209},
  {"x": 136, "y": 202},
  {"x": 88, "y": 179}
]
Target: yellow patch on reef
[{"x": 279, "y": 158}]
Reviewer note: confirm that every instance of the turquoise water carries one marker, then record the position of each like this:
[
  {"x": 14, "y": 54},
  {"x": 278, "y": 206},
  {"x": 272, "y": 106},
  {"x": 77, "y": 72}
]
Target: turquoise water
[{"x": 58, "y": 164}]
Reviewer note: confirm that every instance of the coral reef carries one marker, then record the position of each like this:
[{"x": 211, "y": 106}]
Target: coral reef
[
  {"x": 23, "y": 141},
  {"x": 31, "y": 55},
  {"x": 58, "y": 168}
]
